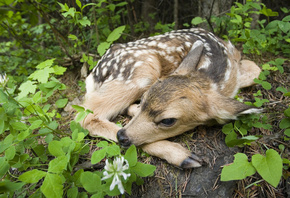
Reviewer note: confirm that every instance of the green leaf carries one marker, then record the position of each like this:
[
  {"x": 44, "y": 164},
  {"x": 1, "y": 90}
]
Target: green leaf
[
  {"x": 32, "y": 176},
  {"x": 41, "y": 75},
  {"x": 45, "y": 64},
  {"x": 98, "y": 155},
  {"x": 85, "y": 21},
  {"x": 228, "y": 128},
  {"x": 8, "y": 186},
  {"x": 10, "y": 153},
  {"x": 79, "y": 3},
  {"x": 287, "y": 112},
  {"x": 266, "y": 85},
  {"x": 58, "y": 165},
  {"x": 131, "y": 156},
  {"x": 197, "y": 20},
  {"x": 115, "y": 34},
  {"x": 239, "y": 169},
  {"x": 287, "y": 132},
  {"x": 55, "y": 148},
  {"x": 113, "y": 150},
  {"x": 285, "y": 123},
  {"x": 72, "y": 192},
  {"x": 52, "y": 186},
  {"x": 103, "y": 47},
  {"x": 19, "y": 126},
  {"x": 91, "y": 182},
  {"x": 61, "y": 103},
  {"x": 26, "y": 88},
  {"x": 143, "y": 170},
  {"x": 4, "y": 166},
  {"x": 78, "y": 108},
  {"x": 58, "y": 70},
  {"x": 22, "y": 135},
  {"x": 269, "y": 166},
  {"x": 35, "y": 124}
]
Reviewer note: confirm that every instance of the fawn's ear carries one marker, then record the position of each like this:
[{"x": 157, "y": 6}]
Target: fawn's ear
[
  {"x": 223, "y": 109},
  {"x": 191, "y": 60}
]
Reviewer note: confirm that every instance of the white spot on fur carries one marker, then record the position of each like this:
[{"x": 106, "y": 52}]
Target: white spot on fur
[
  {"x": 207, "y": 47},
  {"x": 252, "y": 110},
  {"x": 206, "y": 63},
  {"x": 138, "y": 63},
  {"x": 188, "y": 44},
  {"x": 104, "y": 71},
  {"x": 162, "y": 45},
  {"x": 143, "y": 82},
  {"x": 90, "y": 84}
]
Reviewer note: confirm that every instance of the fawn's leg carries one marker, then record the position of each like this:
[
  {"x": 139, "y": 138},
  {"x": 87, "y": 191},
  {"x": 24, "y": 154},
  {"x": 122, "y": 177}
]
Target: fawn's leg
[{"x": 173, "y": 153}]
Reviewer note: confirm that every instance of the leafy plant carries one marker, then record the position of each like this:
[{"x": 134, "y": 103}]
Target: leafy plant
[
  {"x": 268, "y": 166},
  {"x": 44, "y": 156}
]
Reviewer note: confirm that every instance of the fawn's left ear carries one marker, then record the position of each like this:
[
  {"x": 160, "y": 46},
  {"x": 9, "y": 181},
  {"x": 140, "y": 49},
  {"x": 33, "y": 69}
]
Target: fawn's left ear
[
  {"x": 191, "y": 60},
  {"x": 223, "y": 109}
]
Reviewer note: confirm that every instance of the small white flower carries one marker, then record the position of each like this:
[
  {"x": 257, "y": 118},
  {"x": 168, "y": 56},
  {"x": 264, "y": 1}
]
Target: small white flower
[
  {"x": 3, "y": 80},
  {"x": 115, "y": 170}
]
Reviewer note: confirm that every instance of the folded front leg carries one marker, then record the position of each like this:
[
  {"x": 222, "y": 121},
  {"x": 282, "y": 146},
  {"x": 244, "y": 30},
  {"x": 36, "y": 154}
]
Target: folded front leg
[{"x": 173, "y": 153}]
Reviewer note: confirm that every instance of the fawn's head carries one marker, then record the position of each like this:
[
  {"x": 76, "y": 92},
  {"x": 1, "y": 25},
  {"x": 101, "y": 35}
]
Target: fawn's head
[{"x": 177, "y": 104}]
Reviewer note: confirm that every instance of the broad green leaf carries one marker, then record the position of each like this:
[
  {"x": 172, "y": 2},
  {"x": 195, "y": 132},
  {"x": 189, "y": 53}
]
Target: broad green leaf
[
  {"x": 72, "y": 37},
  {"x": 32, "y": 176},
  {"x": 4, "y": 166},
  {"x": 23, "y": 134},
  {"x": 287, "y": 132},
  {"x": 91, "y": 182},
  {"x": 266, "y": 85},
  {"x": 26, "y": 88},
  {"x": 78, "y": 108},
  {"x": 285, "y": 123},
  {"x": 143, "y": 170},
  {"x": 58, "y": 165},
  {"x": 58, "y": 70},
  {"x": 52, "y": 186},
  {"x": 239, "y": 169},
  {"x": 227, "y": 128},
  {"x": 35, "y": 124},
  {"x": 37, "y": 97},
  {"x": 197, "y": 20},
  {"x": 287, "y": 112},
  {"x": 42, "y": 75},
  {"x": 113, "y": 150},
  {"x": 45, "y": 64},
  {"x": 19, "y": 126},
  {"x": 79, "y": 3},
  {"x": 72, "y": 192},
  {"x": 103, "y": 47},
  {"x": 55, "y": 148},
  {"x": 85, "y": 21},
  {"x": 10, "y": 153},
  {"x": 115, "y": 34},
  {"x": 98, "y": 155},
  {"x": 269, "y": 166},
  {"x": 102, "y": 144},
  {"x": 61, "y": 103},
  {"x": 8, "y": 186},
  {"x": 131, "y": 156}
]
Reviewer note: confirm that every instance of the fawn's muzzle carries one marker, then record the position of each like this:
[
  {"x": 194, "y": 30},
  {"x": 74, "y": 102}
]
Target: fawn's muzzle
[{"x": 123, "y": 138}]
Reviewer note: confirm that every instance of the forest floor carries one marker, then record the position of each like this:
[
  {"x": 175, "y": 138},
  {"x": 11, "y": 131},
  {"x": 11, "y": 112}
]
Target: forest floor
[{"x": 209, "y": 144}]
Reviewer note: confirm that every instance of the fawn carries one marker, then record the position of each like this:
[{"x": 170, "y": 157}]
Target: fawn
[{"x": 184, "y": 78}]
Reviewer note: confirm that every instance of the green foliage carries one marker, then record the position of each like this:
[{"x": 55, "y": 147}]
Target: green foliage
[
  {"x": 269, "y": 167},
  {"x": 29, "y": 124},
  {"x": 267, "y": 36}
]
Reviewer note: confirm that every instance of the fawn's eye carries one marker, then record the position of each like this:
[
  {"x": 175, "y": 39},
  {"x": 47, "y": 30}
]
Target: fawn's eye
[{"x": 168, "y": 122}]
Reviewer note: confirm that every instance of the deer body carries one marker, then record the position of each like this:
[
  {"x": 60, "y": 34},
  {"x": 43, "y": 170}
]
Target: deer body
[{"x": 185, "y": 78}]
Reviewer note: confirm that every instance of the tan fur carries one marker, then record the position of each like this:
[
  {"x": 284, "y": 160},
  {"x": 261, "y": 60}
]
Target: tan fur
[{"x": 179, "y": 82}]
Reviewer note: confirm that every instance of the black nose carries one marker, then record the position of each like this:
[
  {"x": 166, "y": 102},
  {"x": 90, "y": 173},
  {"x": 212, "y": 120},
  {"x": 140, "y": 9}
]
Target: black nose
[{"x": 123, "y": 138}]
